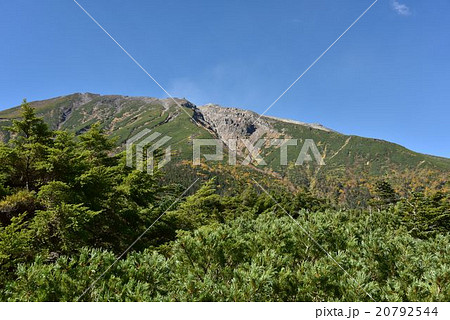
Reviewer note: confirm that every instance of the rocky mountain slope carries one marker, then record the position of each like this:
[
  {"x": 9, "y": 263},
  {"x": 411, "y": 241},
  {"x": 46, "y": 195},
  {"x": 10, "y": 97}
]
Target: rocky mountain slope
[{"x": 351, "y": 162}]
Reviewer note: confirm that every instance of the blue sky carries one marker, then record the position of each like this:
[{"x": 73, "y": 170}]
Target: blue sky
[{"x": 387, "y": 78}]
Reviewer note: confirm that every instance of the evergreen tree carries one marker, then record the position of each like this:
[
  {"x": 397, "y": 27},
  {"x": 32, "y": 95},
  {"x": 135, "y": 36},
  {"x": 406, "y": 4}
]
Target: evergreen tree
[
  {"x": 385, "y": 195},
  {"x": 27, "y": 149}
]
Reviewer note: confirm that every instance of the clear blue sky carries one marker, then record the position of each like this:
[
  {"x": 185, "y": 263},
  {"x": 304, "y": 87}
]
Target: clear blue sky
[{"x": 388, "y": 78}]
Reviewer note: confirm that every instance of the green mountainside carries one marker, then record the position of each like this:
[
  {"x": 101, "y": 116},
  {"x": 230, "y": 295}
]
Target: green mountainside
[{"x": 352, "y": 163}]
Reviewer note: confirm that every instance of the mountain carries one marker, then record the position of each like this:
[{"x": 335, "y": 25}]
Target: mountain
[{"x": 352, "y": 163}]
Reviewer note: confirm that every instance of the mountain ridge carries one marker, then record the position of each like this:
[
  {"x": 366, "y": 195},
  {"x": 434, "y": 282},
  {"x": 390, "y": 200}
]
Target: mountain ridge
[
  {"x": 351, "y": 162},
  {"x": 12, "y": 112}
]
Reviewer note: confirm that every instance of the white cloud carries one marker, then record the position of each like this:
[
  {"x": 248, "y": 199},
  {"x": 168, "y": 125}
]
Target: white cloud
[
  {"x": 400, "y": 8},
  {"x": 187, "y": 88}
]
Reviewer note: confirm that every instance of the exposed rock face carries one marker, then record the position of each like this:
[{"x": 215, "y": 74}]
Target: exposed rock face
[{"x": 233, "y": 123}]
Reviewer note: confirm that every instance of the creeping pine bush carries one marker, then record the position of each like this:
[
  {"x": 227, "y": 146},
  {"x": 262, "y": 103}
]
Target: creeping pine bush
[{"x": 265, "y": 258}]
